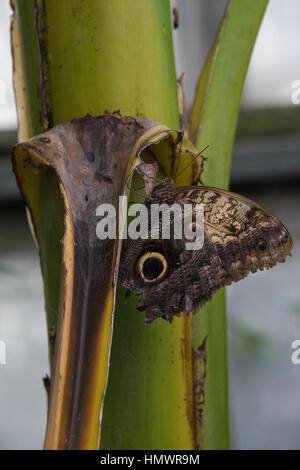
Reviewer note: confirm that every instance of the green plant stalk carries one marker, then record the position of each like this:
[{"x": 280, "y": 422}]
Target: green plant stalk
[
  {"x": 91, "y": 57},
  {"x": 212, "y": 122}
]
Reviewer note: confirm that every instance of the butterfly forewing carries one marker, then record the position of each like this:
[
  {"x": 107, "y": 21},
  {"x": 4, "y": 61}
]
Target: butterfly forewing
[{"x": 243, "y": 232}]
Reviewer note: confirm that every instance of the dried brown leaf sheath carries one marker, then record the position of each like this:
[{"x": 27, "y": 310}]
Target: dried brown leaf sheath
[{"x": 91, "y": 159}]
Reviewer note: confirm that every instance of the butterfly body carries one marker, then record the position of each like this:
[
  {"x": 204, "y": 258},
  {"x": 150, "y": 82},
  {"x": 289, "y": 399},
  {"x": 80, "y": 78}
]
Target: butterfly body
[{"x": 240, "y": 236}]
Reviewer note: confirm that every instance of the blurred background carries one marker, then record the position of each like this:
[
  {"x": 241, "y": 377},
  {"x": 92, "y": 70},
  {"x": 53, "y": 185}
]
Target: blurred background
[{"x": 263, "y": 310}]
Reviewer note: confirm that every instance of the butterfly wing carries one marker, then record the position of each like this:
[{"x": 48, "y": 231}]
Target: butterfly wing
[
  {"x": 240, "y": 236},
  {"x": 246, "y": 236}
]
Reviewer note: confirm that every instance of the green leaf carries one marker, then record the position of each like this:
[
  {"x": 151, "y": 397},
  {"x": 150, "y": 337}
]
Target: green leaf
[{"x": 212, "y": 122}]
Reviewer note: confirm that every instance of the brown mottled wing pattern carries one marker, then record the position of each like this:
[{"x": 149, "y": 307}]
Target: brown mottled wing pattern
[{"x": 240, "y": 237}]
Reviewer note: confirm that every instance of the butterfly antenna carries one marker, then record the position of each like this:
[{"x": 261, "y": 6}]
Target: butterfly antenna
[{"x": 192, "y": 161}]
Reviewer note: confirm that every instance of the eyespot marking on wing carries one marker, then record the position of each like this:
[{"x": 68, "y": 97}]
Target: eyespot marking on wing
[{"x": 152, "y": 267}]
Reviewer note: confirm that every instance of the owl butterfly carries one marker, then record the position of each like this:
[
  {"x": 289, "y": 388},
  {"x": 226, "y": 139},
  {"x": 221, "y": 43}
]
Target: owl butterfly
[{"x": 240, "y": 236}]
